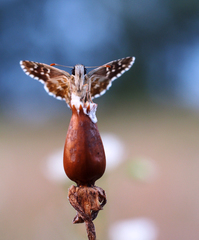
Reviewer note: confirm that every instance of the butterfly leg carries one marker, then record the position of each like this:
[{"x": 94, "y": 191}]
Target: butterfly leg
[
  {"x": 88, "y": 92},
  {"x": 87, "y": 95},
  {"x": 85, "y": 90}
]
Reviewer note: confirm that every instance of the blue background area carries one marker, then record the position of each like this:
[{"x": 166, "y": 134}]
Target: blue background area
[{"x": 162, "y": 35}]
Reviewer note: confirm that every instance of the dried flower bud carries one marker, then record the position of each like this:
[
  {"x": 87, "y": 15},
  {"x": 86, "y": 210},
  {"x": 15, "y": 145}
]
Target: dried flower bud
[{"x": 84, "y": 157}]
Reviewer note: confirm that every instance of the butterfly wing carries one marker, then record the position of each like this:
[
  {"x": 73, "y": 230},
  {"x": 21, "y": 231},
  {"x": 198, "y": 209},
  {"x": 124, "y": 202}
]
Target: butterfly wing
[
  {"x": 56, "y": 82},
  {"x": 102, "y": 77}
]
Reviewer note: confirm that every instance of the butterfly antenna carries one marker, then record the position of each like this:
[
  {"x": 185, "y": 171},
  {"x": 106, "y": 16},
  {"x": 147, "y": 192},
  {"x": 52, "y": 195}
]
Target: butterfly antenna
[
  {"x": 55, "y": 64},
  {"x": 98, "y": 66},
  {"x": 92, "y": 66}
]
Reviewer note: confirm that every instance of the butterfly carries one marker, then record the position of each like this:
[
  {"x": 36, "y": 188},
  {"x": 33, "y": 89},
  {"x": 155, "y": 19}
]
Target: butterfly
[{"x": 63, "y": 85}]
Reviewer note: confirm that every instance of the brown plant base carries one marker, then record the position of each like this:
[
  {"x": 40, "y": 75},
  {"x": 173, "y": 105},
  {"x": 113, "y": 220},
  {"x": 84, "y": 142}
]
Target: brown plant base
[{"x": 87, "y": 201}]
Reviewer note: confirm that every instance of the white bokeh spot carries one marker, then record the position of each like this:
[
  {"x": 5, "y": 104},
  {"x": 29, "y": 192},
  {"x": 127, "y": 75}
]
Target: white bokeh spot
[
  {"x": 53, "y": 167},
  {"x": 114, "y": 150},
  {"x": 134, "y": 229}
]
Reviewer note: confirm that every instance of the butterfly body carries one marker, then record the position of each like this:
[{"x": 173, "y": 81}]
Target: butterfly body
[{"x": 63, "y": 85}]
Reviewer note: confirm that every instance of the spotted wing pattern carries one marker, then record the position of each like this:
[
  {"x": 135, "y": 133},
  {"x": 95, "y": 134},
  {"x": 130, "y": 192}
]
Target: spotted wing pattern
[
  {"x": 56, "y": 82},
  {"x": 102, "y": 77}
]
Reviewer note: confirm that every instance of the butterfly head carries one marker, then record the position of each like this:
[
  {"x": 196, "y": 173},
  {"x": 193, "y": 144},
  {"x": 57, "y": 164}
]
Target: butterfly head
[
  {"x": 79, "y": 69},
  {"x": 79, "y": 72}
]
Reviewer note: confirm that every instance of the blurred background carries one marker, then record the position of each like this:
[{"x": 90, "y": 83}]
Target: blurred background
[{"x": 149, "y": 119}]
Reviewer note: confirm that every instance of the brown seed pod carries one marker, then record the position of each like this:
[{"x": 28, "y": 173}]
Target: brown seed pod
[{"x": 84, "y": 157}]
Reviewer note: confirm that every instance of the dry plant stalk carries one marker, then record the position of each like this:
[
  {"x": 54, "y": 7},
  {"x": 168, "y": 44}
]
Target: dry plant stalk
[
  {"x": 84, "y": 163},
  {"x": 87, "y": 201}
]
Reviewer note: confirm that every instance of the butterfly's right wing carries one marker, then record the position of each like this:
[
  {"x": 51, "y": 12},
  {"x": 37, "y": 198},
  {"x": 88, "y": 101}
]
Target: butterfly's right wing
[
  {"x": 56, "y": 82},
  {"x": 101, "y": 78}
]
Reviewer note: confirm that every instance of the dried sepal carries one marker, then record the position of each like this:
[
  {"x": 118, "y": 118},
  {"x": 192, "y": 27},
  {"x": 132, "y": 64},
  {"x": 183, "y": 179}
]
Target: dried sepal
[{"x": 87, "y": 201}]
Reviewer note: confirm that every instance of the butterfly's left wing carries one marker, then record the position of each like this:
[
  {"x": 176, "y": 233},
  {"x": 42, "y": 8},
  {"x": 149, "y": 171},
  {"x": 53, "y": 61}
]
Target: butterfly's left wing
[
  {"x": 102, "y": 77},
  {"x": 56, "y": 82}
]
